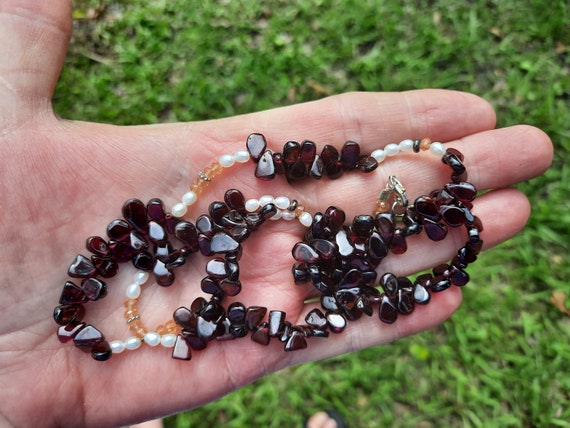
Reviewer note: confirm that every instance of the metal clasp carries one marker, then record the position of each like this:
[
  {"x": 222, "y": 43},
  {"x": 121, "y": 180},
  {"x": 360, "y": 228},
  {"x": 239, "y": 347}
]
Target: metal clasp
[{"x": 392, "y": 196}]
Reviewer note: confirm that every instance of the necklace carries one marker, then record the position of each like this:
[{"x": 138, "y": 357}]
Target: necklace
[{"x": 339, "y": 259}]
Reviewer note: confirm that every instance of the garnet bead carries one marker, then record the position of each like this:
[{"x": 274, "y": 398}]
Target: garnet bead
[
  {"x": 134, "y": 211},
  {"x": 88, "y": 337},
  {"x": 350, "y": 154},
  {"x": 72, "y": 294},
  {"x": 265, "y": 168},
  {"x": 97, "y": 245},
  {"x": 181, "y": 350},
  {"x": 82, "y": 267},
  {"x": 256, "y": 146},
  {"x": 67, "y": 332}
]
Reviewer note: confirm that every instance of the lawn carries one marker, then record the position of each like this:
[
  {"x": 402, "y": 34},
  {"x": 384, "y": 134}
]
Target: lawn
[{"x": 503, "y": 360}]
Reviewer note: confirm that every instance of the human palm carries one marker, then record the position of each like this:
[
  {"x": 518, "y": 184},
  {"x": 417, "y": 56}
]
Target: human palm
[{"x": 63, "y": 181}]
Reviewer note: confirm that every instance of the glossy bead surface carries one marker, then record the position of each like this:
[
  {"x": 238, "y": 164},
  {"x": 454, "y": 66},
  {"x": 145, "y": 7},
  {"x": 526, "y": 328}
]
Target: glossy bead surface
[
  {"x": 265, "y": 169},
  {"x": 256, "y": 145}
]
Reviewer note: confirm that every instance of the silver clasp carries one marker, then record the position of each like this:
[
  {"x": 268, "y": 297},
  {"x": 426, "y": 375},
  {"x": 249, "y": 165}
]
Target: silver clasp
[{"x": 393, "y": 195}]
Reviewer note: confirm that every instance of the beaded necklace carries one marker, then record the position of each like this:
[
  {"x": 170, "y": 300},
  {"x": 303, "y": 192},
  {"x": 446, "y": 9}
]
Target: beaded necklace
[{"x": 337, "y": 258}]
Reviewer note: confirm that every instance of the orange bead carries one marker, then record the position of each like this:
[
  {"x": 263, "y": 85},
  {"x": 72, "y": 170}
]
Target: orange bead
[{"x": 425, "y": 143}]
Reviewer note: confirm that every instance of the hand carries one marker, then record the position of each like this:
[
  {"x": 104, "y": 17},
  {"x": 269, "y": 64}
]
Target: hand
[{"x": 62, "y": 181}]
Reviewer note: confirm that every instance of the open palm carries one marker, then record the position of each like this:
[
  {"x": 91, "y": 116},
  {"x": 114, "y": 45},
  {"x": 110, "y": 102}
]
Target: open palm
[{"x": 63, "y": 181}]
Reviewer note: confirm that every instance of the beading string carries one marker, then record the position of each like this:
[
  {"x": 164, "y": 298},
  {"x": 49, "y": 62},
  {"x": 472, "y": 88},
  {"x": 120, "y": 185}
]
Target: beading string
[{"x": 338, "y": 259}]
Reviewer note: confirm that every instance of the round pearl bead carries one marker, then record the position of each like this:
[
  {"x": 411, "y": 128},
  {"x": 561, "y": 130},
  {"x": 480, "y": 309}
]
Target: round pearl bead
[
  {"x": 117, "y": 346},
  {"x": 391, "y": 149},
  {"x": 265, "y": 199},
  {"x": 152, "y": 338},
  {"x": 189, "y": 198},
  {"x": 379, "y": 155},
  {"x": 251, "y": 205},
  {"x": 306, "y": 219},
  {"x": 242, "y": 156},
  {"x": 178, "y": 210},
  {"x": 437, "y": 149},
  {"x": 406, "y": 145},
  {"x": 282, "y": 202},
  {"x": 132, "y": 343},
  {"x": 141, "y": 277},
  {"x": 168, "y": 340},
  {"x": 226, "y": 160},
  {"x": 133, "y": 291}
]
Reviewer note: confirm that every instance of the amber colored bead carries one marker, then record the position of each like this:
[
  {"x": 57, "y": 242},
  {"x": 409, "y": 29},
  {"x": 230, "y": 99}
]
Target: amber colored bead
[{"x": 425, "y": 143}]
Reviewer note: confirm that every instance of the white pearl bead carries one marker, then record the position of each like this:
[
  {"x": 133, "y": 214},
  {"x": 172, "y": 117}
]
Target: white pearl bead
[
  {"x": 141, "y": 277},
  {"x": 266, "y": 199},
  {"x": 226, "y": 160},
  {"x": 277, "y": 215},
  {"x": 133, "y": 291},
  {"x": 288, "y": 215},
  {"x": 178, "y": 210},
  {"x": 241, "y": 156},
  {"x": 437, "y": 149},
  {"x": 406, "y": 145},
  {"x": 282, "y": 202},
  {"x": 391, "y": 149},
  {"x": 306, "y": 219},
  {"x": 379, "y": 155},
  {"x": 251, "y": 205},
  {"x": 152, "y": 338},
  {"x": 189, "y": 198},
  {"x": 168, "y": 340},
  {"x": 132, "y": 343},
  {"x": 117, "y": 346}
]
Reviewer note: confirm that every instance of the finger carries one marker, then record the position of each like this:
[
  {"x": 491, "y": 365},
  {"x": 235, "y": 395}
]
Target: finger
[{"x": 38, "y": 32}]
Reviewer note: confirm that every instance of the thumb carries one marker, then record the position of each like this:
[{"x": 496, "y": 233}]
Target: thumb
[{"x": 34, "y": 35}]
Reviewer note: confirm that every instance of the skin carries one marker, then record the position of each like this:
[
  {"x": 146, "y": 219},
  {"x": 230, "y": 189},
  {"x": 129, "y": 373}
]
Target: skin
[{"x": 62, "y": 181}]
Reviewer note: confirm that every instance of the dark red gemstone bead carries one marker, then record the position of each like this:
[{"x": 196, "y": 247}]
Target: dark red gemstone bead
[
  {"x": 144, "y": 261},
  {"x": 398, "y": 244},
  {"x": 332, "y": 162},
  {"x": 187, "y": 234},
  {"x": 72, "y": 294},
  {"x": 385, "y": 227},
  {"x": 118, "y": 230},
  {"x": 265, "y": 169},
  {"x": 68, "y": 314},
  {"x": 198, "y": 304},
  {"x": 88, "y": 337},
  {"x": 216, "y": 268},
  {"x": 297, "y": 171},
  {"x": 254, "y": 316},
  {"x": 82, "y": 267},
  {"x": 256, "y": 146},
  {"x": 156, "y": 211},
  {"x": 316, "y": 169},
  {"x": 426, "y": 207},
  {"x": 97, "y": 245},
  {"x": 65, "y": 333},
  {"x": 196, "y": 342},
  {"x": 134, "y": 211},
  {"x": 367, "y": 164},
  {"x": 387, "y": 312},
  {"x": 106, "y": 267},
  {"x": 345, "y": 247},
  {"x": 181, "y": 350},
  {"x": 304, "y": 253},
  {"x": 329, "y": 303},
  {"x": 279, "y": 164},
  {"x": 350, "y": 153},
  {"x": 336, "y": 322},
  {"x": 362, "y": 225},
  {"x": 170, "y": 223},
  {"x": 232, "y": 269},
  {"x": 137, "y": 241},
  {"x": 213, "y": 311},
  {"x": 267, "y": 211},
  {"x": 238, "y": 331},
  {"x": 421, "y": 295},
  {"x": 291, "y": 152},
  {"x": 261, "y": 334},
  {"x": 94, "y": 288},
  {"x": 308, "y": 153},
  {"x": 206, "y": 329},
  {"x": 300, "y": 273},
  {"x": 164, "y": 277},
  {"x": 121, "y": 251},
  {"x": 217, "y": 211},
  {"x": 453, "y": 216},
  {"x": 101, "y": 351},
  {"x": 334, "y": 218},
  {"x": 454, "y": 152},
  {"x": 156, "y": 232},
  {"x": 439, "y": 283},
  {"x": 405, "y": 301},
  {"x": 236, "y": 313},
  {"x": 458, "y": 276},
  {"x": 326, "y": 249},
  {"x": 296, "y": 341},
  {"x": 389, "y": 284},
  {"x": 230, "y": 287},
  {"x": 351, "y": 279},
  {"x": 211, "y": 286},
  {"x": 205, "y": 225},
  {"x": 463, "y": 191},
  {"x": 376, "y": 248},
  {"x": 316, "y": 318},
  {"x": 435, "y": 231},
  {"x": 185, "y": 318},
  {"x": 235, "y": 200},
  {"x": 275, "y": 322},
  {"x": 223, "y": 243},
  {"x": 204, "y": 245}
]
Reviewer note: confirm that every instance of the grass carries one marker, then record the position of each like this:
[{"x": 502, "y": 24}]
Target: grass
[{"x": 503, "y": 360}]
